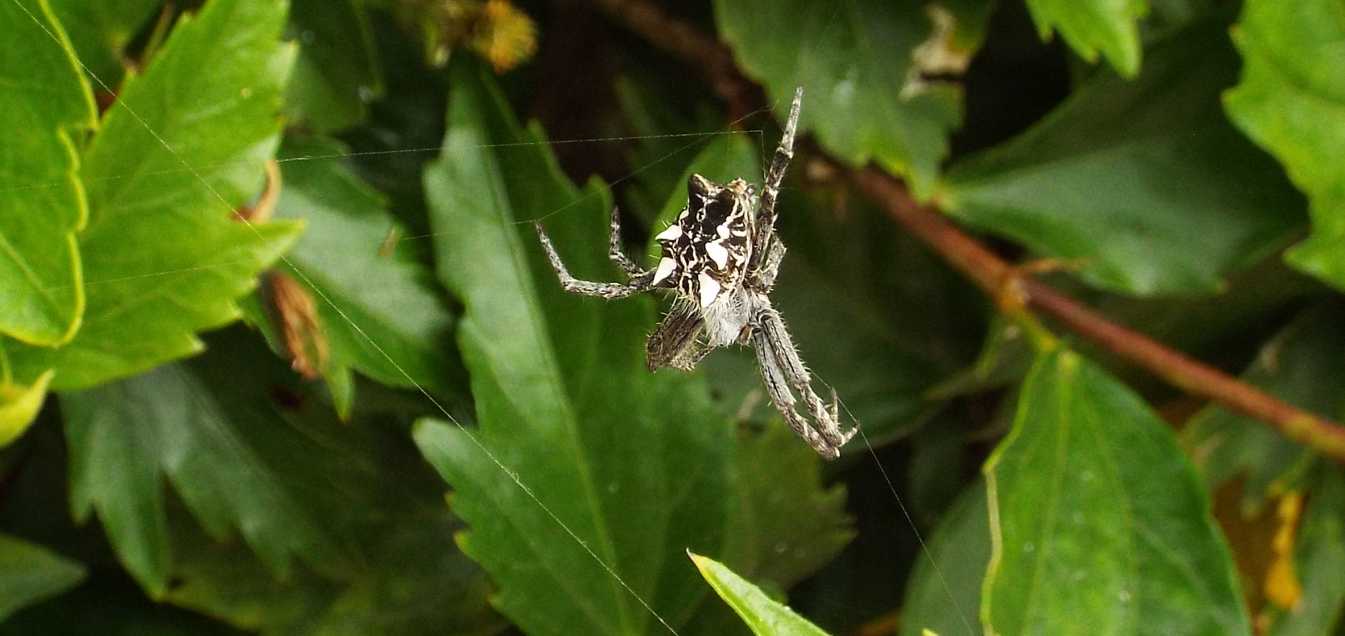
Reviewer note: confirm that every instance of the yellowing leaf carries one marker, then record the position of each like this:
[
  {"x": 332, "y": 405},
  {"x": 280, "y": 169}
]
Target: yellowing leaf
[{"x": 19, "y": 405}]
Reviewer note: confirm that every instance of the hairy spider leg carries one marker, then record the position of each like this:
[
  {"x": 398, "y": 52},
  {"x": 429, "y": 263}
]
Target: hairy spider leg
[
  {"x": 637, "y": 284},
  {"x": 770, "y": 191},
  {"x": 772, "y": 337},
  {"x": 677, "y": 340},
  {"x": 783, "y": 399},
  {"x": 617, "y": 253}
]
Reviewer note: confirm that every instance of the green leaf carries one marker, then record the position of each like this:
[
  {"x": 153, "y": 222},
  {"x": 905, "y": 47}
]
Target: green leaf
[
  {"x": 563, "y": 398},
  {"x": 765, "y": 616},
  {"x": 1302, "y": 366},
  {"x": 20, "y": 404},
  {"x": 46, "y": 107},
  {"x": 206, "y": 427},
  {"x": 944, "y": 591},
  {"x": 1090, "y": 26},
  {"x": 785, "y": 525},
  {"x": 337, "y": 71},
  {"x": 636, "y": 466},
  {"x": 1098, "y": 521},
  {"x": 1291, "y": 101},
  {"x": 100, "y": 32},
  {"x": 392, "y": 298},
  {"x": 1123, "y": 174},
  {"x": 31, "y": 573},
  {"x": 163, "y": 257},
  {"x": 853, "y": 60}
]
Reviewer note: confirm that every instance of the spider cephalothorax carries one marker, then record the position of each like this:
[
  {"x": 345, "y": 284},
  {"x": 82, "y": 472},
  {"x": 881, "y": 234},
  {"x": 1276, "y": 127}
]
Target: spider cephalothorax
[{"x": 720, "y": 259}]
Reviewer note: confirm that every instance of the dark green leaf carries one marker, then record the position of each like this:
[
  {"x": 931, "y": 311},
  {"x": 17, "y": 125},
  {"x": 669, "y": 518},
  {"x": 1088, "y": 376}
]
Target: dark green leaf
[
  {"x": 411, "y": 582},
  {"x": 336, "y": 73},
  {"x": 100, "y": 31},
  {"x": 391, "y": 297},
  {"x": 1301, "y": 365},
  {"x": 765, "y": 616},
  {"x": 1291, "y": 101},
  {"x": 45, "y": 107},
  {"x": 853, "y": 60},
  {"x": 163, "y": 257},
  {"x": 1090, "y": 26},
  {"x": 207, "y": 428},
  {"x": 31, "y": 573},
  {"x": 1098, "y": 521},
  {"x": 1124, "y": 174},
  {"x": 944, "y": 592},
  {"x": 785, "y": 526}
]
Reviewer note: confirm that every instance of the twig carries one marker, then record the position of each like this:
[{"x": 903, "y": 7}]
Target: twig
[{"x": 988, "y": 270}]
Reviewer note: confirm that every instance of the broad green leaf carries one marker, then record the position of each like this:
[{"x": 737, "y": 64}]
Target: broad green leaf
[
  {"x": 1319, "y": 560},
  {"x": 414, "y": 583},
  {"x": 408, "y": 581},
  {"x": 391, "y": 298},
  {"x": 19, "y": 404},
  {"x": 336, "y": 73},
  {"x": 563, "y": 398},
  {"x": 944, "y": 591},
  {"x": 1098, "y": 522},
  {"x": 853, "y": 60},
  {"x": 764, "y": 615},
  {"x": 1291, "y": 101},
  {"x": 100, "y": 32},
  {"x": 31, "y": 573},
  {"x": 1092, "y": 26},
  {"x": 45, "y": 107},
  {"x": 1302, "y": 366},
  {"x": 163, "y": 255},
  {"x": 636, "y": 466},
  {"x": 206, "y": 428},
  {"x": 1124, "y": 173}
]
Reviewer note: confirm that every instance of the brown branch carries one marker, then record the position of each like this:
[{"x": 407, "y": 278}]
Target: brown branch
[{"x": 987, "y": 269}]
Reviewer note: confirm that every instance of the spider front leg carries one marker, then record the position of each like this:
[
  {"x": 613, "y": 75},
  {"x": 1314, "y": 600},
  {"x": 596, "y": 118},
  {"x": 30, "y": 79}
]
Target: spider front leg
[
  {"x": 637, "y": 284},
  {"x": 617, "y": 253},
  {"x": 784, "y": 374},
  {"x": 770, "y": 266},
  {"x": 775, "y": 176}
]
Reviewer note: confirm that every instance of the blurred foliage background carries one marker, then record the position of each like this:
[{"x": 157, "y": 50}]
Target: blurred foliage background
[{"x": 279, "y": 352}]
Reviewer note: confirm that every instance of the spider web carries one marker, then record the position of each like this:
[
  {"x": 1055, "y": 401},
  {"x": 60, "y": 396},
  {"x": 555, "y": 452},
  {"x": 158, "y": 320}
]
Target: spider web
[{"x": 694, "y": 139}]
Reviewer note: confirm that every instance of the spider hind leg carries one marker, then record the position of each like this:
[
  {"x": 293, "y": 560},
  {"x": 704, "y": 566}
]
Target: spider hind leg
[{"x": 784, "y": 374}]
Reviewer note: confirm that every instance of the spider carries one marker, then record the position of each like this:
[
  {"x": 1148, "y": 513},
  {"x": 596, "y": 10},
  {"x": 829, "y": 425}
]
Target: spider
[{"x": 720, "y": 259}]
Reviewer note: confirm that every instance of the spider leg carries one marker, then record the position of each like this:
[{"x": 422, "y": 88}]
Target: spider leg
[
  {"x": 676, "y": 342},
  {"x": 771, "y": 335},
  {"x": 617, "y": 253},
  {"x": 783, "y": 399},
  {"x": 765, "y": 220},
  {"x": 770, "y": 267},
  {"x": 588, "y": 288}
]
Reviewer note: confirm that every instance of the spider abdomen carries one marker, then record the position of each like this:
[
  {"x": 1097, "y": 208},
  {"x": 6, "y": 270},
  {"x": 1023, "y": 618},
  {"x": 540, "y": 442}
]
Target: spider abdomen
[{"x": 705, "y": 252}]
